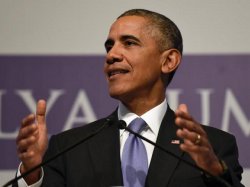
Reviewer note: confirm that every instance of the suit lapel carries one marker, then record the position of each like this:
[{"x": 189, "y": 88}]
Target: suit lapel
[
  {"x": 163, "y": 165},
  {"x": 105, "y": 152}
]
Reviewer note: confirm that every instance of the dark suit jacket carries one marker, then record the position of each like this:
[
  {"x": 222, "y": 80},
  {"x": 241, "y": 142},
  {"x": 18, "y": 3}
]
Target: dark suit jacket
[{"x": 96, "y": 162}]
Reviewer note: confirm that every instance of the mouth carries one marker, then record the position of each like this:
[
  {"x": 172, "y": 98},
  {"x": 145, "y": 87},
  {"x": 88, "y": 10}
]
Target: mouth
[{"x": 116, "y": 72}]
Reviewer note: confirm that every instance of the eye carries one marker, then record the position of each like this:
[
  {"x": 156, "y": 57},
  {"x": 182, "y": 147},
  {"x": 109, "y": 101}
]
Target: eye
[
  {"x": 130, "y": 43},
  {"x": 108, "y": 48},
  {"x": 108, "y": 45}
]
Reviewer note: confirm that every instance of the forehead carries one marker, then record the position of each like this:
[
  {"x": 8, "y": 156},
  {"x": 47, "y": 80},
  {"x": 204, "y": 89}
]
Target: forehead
[{"x": 135, "y": 25}]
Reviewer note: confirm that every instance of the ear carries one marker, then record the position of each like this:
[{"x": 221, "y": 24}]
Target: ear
[{"x": 170, "y": 60}]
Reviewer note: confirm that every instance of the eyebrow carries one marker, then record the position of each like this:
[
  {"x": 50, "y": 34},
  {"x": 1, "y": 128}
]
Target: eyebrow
[{"x": 126, "y": 37}]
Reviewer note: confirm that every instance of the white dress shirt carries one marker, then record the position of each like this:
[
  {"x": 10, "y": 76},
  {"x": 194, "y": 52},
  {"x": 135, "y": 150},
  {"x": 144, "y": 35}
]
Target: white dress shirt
[{"x": 153, "y": 118}]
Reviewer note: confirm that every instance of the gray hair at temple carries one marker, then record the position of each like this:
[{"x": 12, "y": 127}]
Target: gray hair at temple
[{"x": 164, "y": 30}]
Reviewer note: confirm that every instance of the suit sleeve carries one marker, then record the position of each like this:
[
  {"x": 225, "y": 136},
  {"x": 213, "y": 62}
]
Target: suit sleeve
[
  {"x": 227, "y": 150},
  {"x": 54, "y": 174}
]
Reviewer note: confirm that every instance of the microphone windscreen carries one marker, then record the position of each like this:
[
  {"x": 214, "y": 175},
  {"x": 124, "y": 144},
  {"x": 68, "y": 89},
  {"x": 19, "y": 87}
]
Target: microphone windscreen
[{"x": 121, "y": 124}]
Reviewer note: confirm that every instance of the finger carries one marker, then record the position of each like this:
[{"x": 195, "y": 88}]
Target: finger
[
  {"x": 185, "y": 123},
  {"x": 27, "y": 131},
  {"x": 41, "y": 111},
  {"x": 188, "y": 146},
  {"x": 25, "y": 144},
  {"x": 27, "y": 155},
  {"x": 191, "y": 125},
  {"x": 28, "y": 120},
  {"x": 191, "y": 139},
  {"x": 187, "y": 135},
  {"x": 183, "y": 108},
  {"x": 191, "y": 148},
  {"x": 182, "y": 112}
]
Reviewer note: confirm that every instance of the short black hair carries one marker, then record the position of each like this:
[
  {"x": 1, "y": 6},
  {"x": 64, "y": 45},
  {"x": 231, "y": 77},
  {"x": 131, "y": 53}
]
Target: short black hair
[{"x": 170, "y": 35}]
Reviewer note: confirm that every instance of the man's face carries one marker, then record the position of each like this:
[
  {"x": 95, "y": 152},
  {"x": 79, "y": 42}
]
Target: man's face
[{"x": 133, "y": 60}]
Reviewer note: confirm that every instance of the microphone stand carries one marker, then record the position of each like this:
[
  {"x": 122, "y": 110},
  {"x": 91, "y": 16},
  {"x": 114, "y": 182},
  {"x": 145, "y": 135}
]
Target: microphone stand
[
  {"x": 107, "y": 122},
  {"x": 122, "y": 125}
]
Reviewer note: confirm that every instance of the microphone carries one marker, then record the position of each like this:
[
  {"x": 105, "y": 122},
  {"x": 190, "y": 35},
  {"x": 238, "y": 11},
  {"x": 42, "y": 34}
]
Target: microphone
[
  {"x": 106, "y": 124},
  {"x": 122, "y": 125}
]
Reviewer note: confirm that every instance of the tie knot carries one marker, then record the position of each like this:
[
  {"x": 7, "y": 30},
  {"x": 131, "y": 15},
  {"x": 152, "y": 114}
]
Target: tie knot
[{"x": 137, "y": 125}]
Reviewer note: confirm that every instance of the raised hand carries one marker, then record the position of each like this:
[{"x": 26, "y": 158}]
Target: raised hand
[
  {"x": 196, "y": 142},
  {"x": 32, "y": 141}
]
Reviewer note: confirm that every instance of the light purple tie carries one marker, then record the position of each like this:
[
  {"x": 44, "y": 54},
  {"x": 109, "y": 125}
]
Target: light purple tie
[{"x": 134, "y": 157}]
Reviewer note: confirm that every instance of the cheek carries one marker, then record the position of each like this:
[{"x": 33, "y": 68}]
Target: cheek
[{"x": 149, "y": 66}]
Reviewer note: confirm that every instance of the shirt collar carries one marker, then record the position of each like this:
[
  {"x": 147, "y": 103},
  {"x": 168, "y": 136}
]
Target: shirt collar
[{"x": 152, "y": 117}]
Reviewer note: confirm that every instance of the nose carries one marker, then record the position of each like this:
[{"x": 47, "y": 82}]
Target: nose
[{"x": 114, "y": 55}]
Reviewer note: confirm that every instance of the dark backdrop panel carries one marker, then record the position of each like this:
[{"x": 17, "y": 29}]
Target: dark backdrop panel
[{"x": 215, "y": 87}]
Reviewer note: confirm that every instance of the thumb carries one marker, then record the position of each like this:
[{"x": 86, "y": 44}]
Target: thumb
[{"x": 41, "y": 111}]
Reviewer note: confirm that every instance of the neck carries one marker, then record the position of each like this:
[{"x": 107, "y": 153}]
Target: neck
[{"x": 140, "y": 106}]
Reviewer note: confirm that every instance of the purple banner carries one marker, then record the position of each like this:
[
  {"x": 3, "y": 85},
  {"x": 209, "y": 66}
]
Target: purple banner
[{"x": 215, "y": 87}]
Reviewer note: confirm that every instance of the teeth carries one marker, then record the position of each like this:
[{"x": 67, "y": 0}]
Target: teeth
[{"x": 117, "y": 72}]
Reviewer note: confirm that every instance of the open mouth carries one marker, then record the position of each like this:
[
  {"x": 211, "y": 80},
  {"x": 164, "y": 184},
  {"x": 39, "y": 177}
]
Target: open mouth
[{"x": 116, "y": 72}]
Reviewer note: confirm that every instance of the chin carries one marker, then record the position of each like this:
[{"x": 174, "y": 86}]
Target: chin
[
  {"x": 121, "y": 93},
  {"x": 116, "y": 94}
]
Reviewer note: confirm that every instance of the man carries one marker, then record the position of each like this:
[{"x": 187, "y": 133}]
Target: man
[{"x": 144, "y": 50}]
